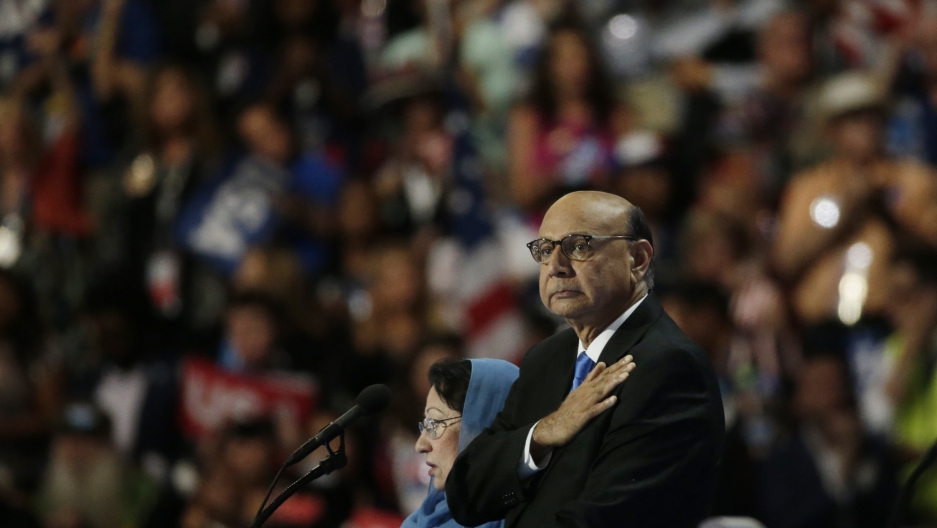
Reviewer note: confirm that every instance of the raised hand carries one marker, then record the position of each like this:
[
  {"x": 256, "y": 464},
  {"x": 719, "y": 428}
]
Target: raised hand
[{"x": 579, "y": 408}]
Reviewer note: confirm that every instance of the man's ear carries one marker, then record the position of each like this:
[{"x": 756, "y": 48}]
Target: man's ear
[{"x": 642, "y": 253}]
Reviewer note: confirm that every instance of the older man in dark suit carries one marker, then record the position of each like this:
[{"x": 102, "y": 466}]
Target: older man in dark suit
[{"x": 574, "y": 445}]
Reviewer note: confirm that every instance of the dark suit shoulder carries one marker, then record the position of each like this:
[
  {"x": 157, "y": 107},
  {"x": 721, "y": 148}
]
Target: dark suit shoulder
[
  {"x": 559, "y": 343},
  {"x": 666, "y": 351}
]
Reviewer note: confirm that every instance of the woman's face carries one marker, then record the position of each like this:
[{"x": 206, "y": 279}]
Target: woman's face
[
  {"x": 570, "y": 67},
  {"x": 441, "y": 451}
]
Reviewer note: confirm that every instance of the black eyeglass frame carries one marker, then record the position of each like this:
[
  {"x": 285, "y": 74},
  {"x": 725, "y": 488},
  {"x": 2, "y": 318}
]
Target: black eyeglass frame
[
  {"x": 588, "y": 238},
  {"x": 433, "y": 424}
]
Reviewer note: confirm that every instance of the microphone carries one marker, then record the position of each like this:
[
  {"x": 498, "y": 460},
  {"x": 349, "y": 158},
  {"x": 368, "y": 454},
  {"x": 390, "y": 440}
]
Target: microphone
[{"x": 369, "y": 402}]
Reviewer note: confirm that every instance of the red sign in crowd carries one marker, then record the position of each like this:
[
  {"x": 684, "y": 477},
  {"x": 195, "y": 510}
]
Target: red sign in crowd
[{"x": 212, "y": 397}]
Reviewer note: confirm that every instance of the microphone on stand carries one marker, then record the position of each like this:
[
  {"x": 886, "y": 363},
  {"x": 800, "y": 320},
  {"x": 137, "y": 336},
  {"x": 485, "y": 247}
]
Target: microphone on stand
[{"x": 369, "y": 402}]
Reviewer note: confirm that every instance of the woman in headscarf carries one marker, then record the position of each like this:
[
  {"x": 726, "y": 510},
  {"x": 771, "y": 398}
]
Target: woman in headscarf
[{"x": 465, "y": 397}]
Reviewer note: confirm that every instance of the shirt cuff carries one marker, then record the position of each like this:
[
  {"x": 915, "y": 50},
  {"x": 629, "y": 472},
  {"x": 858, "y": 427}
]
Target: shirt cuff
[{"x": 527, "y": 467}]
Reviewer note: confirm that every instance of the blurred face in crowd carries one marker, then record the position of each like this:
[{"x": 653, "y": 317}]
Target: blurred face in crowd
[
  {"x": 646, "y": 187},
  {"x": 705, "y": 325},
  {"x": 857, "y": 136},
  {"x": 275, "y": 272},
  {"x": 251, "y": 330},
  {"x": 821, "y": 388},
  {"x": 357, "y": 211},
  {"x": 401, "y": 333},
  {"x": 600, "y": 288},
  {"x": 398, "y": 283},
  {"x": 249, "y": 458},
  {"x": 218, "y": 496},
  {"x": 265, "y": 134},
  {"x": 570, "y": 64},
  {"x": 441, "y": 451},
  {"x": 422, "y": 115},
  {"x": 173, "y": 101},
  {"x": 784, "y": 48},
  {"x": 843, "y": 430},
  {"x": 426, "y": 138},
  {"x": 298, "y": 58},
  {"x": 713, "y": 247}
]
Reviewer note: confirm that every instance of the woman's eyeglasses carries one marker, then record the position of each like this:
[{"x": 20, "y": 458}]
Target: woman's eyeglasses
[{"x": 435, "y": 428}]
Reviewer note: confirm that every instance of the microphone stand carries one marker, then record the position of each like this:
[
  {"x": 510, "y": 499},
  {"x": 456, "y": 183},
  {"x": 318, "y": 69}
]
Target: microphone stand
[
  {"x": 336, "y": 460},
  {"x": 907, "y": 491}
]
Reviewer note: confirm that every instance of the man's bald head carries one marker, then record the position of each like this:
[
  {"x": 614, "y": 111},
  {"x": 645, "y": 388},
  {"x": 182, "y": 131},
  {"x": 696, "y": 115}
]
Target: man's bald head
[
  {"x": 593, "y": 208},
  {"x": 617, "y": 269},
  {"x": 608, "y": 214}
]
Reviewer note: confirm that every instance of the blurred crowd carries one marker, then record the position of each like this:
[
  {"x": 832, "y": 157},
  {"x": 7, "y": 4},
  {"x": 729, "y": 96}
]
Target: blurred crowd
[{"x": 221, "y": 219}]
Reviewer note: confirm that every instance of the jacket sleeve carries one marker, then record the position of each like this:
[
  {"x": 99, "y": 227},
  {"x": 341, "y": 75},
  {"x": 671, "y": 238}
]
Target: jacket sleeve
[
  {"x": 658, "y": 445},
  {"x": 483, "y": 483}
]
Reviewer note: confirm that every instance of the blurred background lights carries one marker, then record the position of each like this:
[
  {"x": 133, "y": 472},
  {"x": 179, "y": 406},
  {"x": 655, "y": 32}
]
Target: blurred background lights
[
  {"x": 859, "y": 255},
  {"x": 623, "y": 26},
  {"x": 824, "y": 211},
  {"x": 854, "y": 284},
  {"x": 853, "y": 288},
  {"x": 11, "y": 247}
]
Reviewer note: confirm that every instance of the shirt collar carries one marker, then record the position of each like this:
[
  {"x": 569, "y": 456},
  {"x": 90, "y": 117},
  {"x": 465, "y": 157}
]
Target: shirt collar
[{"x": 598, "y": 344}]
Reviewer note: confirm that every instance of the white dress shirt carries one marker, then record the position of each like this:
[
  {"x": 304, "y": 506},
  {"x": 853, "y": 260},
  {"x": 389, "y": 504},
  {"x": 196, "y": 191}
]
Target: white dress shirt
[{"x": 527, "y": 466}]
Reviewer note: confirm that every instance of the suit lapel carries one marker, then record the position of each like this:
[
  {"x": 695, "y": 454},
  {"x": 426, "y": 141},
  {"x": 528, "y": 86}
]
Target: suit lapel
[
  {"x": 617, "y": 347},
  {"x": 554, "y": 380},
  {"x": 558, "y": 376}
]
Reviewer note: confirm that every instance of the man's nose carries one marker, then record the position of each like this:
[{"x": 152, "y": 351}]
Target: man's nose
[{"x": 558, "y": 264}]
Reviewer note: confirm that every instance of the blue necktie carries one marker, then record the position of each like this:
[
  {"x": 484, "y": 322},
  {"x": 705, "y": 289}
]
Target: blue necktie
[{"x": 584, "y": 366}]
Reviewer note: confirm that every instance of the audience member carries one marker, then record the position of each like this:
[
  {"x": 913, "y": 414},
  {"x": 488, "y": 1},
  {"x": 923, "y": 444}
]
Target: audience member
[
  {"x": 87, "y": 483},
  {"x": 179, "y": 151},
  {"x": 274, "y": 193},
  {"x": 912, "y": 132},
  {"x": 560, "y": 139},
  {"x": 839, "y": 221},
  {"x": 829, "y": 472},
  {"x": 912, "y": 353},
  {"x": 30, "y": 385}
]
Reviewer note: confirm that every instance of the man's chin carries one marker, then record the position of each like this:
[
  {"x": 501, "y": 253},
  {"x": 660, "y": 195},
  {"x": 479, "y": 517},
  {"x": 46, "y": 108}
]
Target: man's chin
[{"x": 566, "y": 308}]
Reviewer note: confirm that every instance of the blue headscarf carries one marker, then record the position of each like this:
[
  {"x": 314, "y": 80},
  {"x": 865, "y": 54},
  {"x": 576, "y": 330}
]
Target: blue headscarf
[{"x": 488, "y": 388}]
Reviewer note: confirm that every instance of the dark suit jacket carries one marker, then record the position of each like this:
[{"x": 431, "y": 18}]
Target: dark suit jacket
[{"x": 650, "y": 461}]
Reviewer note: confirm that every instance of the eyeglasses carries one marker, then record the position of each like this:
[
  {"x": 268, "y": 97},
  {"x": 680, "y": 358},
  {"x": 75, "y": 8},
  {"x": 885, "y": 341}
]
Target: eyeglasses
[
  {"x": 435, "y": 428},
  {"x": 574, "y": 246}
]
